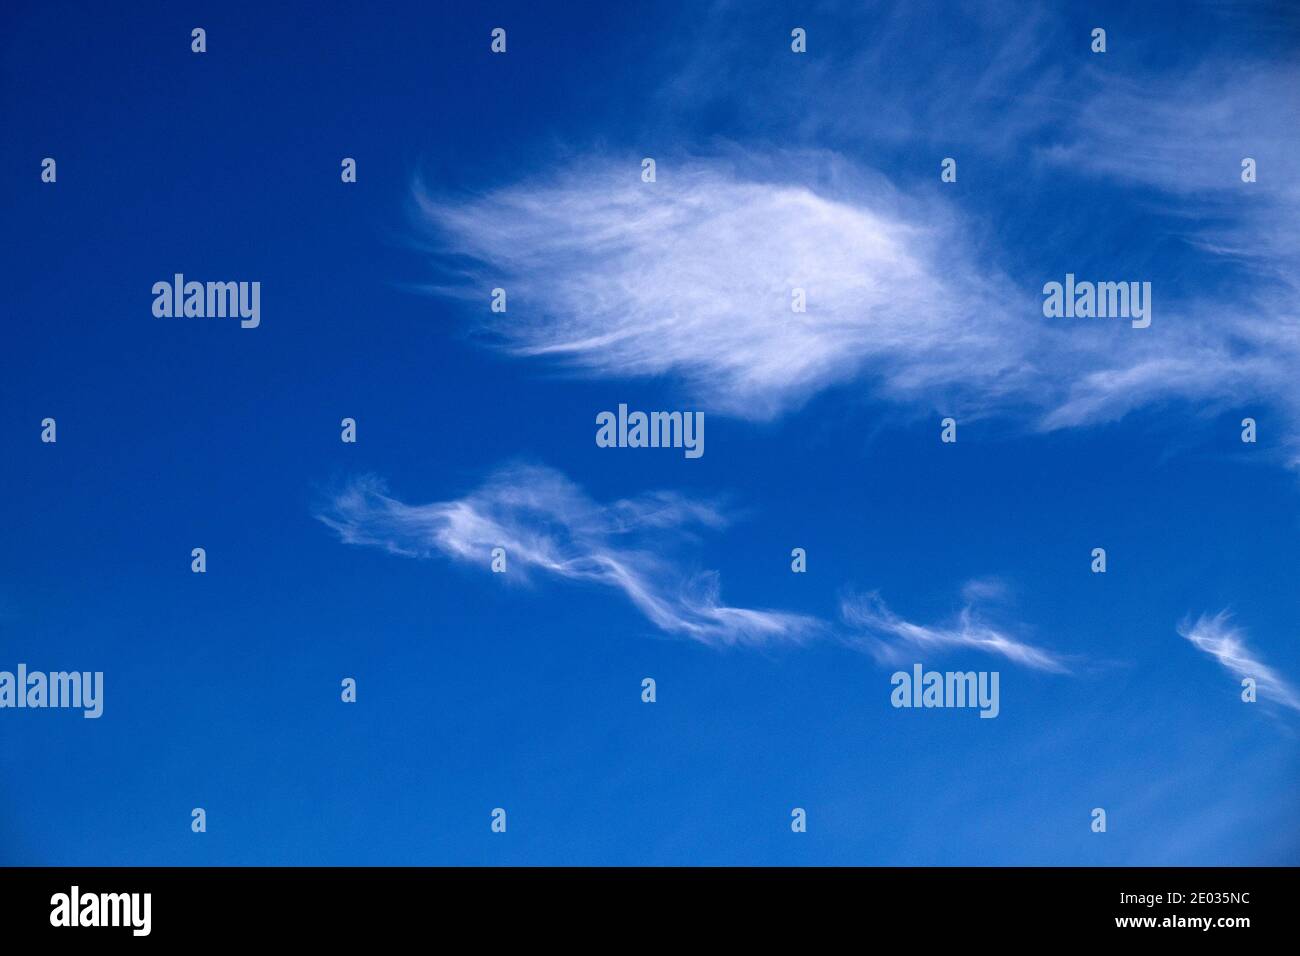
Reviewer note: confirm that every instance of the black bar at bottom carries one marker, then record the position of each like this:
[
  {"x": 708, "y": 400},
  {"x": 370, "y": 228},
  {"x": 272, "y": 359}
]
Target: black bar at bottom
[{"x": 333, "y": 905}]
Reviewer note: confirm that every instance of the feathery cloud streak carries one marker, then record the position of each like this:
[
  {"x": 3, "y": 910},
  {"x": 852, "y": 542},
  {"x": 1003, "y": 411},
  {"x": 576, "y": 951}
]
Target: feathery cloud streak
[
  {"x": 548, "y": 525},
  {"x": 1226, "y": 643},
  {"x": 891, "y": 639}
]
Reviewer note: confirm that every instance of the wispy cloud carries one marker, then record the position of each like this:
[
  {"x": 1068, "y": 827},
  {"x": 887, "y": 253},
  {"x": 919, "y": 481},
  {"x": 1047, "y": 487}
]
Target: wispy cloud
[
  {"x": 1226, "y": 643},
  {"x": 939, "y": 80},
  {"x": 1182, "y": 142},
  {"x": 1186, "y": 132},
  {"x": 892, "y": 639},
  {"x": 549, "y": 526}
]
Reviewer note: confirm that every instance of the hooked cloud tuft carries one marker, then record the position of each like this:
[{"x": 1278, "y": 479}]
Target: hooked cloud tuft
[
  {"x": 891, "y": 639},
  {"x": 1217, "y": 636}
]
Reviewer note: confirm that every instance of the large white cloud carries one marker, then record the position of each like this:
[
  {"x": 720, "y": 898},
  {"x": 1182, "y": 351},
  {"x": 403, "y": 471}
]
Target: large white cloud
[{"x": 693, "y": 275}]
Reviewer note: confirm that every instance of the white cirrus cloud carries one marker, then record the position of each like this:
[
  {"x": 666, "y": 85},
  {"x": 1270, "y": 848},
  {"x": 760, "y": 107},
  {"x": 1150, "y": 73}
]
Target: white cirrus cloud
[
  {"x": 891, "y": 639},
  {"x": 1217, "y": 636},
  {"x": 549, "y": 526}
]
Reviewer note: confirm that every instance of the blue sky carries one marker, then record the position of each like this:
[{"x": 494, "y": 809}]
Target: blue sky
[{"x": 522, "y": 690}]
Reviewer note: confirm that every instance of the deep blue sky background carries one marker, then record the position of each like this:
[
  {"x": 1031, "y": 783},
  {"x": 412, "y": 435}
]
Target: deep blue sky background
[{"x": 222, "y": 690}]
